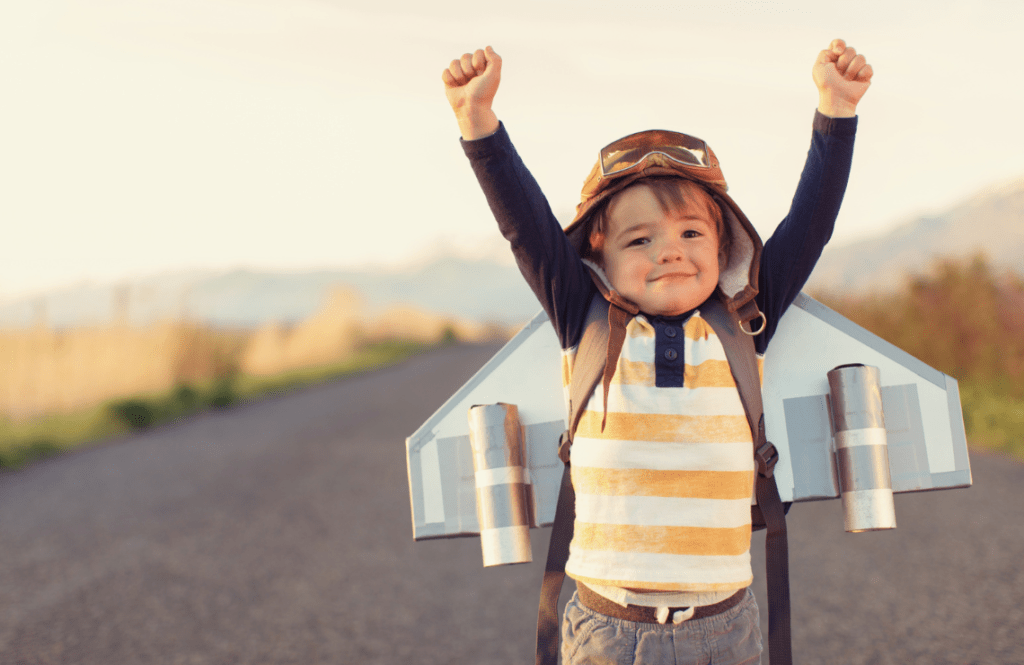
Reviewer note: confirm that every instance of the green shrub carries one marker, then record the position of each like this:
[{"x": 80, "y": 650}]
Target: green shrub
[
  {"x": 993, "y": 418},
  {"x": 19, "y": 455},
  {"x": 448, "y": 335},
  {"x": 223, "y": 393},
  {"x": 184, "y": 400},
  {"x": 134, "y": 413}
]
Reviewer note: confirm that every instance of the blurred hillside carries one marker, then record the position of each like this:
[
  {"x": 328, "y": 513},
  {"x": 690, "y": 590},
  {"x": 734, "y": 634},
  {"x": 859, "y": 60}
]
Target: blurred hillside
[
  {"x": 990, "y": 223},
  {"x": 451, "y": 287}
]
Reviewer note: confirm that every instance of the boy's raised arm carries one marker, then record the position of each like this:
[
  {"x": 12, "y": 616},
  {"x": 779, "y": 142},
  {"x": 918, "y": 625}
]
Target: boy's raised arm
[
  {"x": 543, "y": 253},
  {"x": 470, "y": 84},
  {"x": 842, "y": 76},
  {"x": 790, "y": 254}
]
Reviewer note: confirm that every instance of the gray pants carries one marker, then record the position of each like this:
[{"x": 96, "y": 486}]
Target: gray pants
[{"x": 730, "y": 638}]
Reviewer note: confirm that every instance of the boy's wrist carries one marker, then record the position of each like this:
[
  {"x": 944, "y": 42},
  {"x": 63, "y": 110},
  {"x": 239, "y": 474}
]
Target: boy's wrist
[
  {"x": 834, "y": 126},
  {"x": 476, "y": 123},
  {"x": 835, "y": 108}
]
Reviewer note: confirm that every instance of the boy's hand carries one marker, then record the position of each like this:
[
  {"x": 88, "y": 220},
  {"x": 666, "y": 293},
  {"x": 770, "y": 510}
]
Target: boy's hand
[
  {"x": 842, "y": 77},
  {"x": 470, "y": 84}
]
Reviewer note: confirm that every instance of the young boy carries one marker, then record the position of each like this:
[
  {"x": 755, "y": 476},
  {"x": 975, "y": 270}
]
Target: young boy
[{"x": 661, "y": 459}]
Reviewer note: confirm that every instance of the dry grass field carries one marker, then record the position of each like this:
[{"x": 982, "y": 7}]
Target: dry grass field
[
  {"x": 44, "y": 370},
  {"x": 57, "y": 386}
]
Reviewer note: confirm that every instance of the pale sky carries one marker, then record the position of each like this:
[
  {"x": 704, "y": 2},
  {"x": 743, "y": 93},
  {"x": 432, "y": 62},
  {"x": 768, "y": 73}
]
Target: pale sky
[{"x": 141, "y": 136}]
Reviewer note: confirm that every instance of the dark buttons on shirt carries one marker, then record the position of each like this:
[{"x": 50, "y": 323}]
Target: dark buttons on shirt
[{"x": 669, "y": 351}]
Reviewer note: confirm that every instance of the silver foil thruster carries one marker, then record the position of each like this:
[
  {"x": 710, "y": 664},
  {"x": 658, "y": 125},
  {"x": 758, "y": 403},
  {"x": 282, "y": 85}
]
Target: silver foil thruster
[
  {"x": 862, "y": 452},
  {"x": 504, "y": 495}
]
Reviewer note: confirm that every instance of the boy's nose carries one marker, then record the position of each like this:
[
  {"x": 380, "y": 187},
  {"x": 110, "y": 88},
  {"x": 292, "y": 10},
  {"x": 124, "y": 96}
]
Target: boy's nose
[{"x": 670, "y": 252}]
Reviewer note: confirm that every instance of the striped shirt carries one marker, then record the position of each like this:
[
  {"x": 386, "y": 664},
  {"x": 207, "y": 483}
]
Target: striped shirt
[{"x": 663, "y": 493}]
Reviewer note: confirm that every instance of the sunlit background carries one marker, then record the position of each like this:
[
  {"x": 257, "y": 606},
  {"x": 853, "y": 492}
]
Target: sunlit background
[
  {"x": 207, "y": 200},
  {"x": 140, "y": 136}
]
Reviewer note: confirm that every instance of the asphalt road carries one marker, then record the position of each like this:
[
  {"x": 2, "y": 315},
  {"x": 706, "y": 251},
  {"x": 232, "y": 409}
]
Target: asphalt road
[{"x": 280, "y": 533}]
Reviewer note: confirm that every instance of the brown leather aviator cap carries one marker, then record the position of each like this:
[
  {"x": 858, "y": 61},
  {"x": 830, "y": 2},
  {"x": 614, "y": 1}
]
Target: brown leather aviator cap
[{"x": 665, "y": 153}]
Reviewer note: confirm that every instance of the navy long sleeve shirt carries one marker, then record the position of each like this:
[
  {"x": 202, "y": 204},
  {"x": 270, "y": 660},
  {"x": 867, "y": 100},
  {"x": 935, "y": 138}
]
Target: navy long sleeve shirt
[{"x": 563, "y": 284}]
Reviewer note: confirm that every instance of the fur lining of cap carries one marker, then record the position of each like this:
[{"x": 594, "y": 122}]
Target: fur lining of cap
[
  {"x": 735, "y": 276},
  {"x": 599, "y": 271}
]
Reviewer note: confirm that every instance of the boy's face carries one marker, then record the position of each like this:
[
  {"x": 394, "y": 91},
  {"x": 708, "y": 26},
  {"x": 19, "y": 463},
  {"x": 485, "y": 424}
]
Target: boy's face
[{"x": 666, "y": 263}]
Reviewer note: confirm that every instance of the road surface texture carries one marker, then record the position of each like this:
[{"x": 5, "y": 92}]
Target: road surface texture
[{"x": 280, "y": 532}]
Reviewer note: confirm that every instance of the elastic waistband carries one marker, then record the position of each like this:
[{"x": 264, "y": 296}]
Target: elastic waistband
[{"x": 641, "y": 614}]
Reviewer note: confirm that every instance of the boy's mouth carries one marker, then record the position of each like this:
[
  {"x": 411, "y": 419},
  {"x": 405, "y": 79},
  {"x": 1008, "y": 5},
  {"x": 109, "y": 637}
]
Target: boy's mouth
[{"x": 672, "y": 276}]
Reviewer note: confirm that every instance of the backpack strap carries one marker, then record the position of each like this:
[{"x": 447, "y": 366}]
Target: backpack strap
[
  {"x": 588, "y": 366},
  {"x": 742, "y": 357},
  {"x": 554, "y": 572}
]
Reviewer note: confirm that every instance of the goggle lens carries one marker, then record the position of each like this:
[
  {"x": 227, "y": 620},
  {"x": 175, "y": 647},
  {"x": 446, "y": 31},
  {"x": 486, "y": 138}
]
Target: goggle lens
[{"x": 627, "y": 152}]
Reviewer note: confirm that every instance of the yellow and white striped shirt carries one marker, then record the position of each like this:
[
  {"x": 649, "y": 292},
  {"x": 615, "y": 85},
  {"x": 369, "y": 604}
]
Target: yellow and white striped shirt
[{"x": 663, "y": 493}]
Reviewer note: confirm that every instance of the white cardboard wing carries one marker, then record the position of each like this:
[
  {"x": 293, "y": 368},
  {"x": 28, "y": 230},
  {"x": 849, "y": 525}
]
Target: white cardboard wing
[{"x": 924, "y": 422}]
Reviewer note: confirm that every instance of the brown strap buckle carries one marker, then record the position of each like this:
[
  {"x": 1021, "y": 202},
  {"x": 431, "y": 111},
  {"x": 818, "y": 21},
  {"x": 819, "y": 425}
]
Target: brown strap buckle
[{"x": 767, "y": 455}]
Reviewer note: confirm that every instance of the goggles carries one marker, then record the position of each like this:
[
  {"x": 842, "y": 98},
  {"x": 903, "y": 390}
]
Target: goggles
[{"x": 631, "y": 152}]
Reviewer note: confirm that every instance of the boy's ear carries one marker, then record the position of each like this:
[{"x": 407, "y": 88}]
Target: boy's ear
[{"x": 596, "y": 241}]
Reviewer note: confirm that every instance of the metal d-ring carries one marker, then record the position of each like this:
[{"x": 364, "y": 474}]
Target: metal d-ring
[{"x": 764, "y": 322}]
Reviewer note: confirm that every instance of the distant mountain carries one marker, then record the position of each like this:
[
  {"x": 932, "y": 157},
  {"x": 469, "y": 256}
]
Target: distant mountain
[
  {"x": 990, "y": 222},
  {"x": 477, "y": 290}
]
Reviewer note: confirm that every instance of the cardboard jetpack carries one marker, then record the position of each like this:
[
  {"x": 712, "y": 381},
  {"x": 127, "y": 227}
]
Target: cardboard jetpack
[{"x": 927, "y": 446}]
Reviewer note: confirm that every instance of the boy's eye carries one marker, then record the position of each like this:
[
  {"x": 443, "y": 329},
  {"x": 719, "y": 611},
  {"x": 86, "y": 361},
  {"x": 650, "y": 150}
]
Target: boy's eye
[
  {"x": 637, "y": 242},
  {"x": 691, "y": 233}
]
